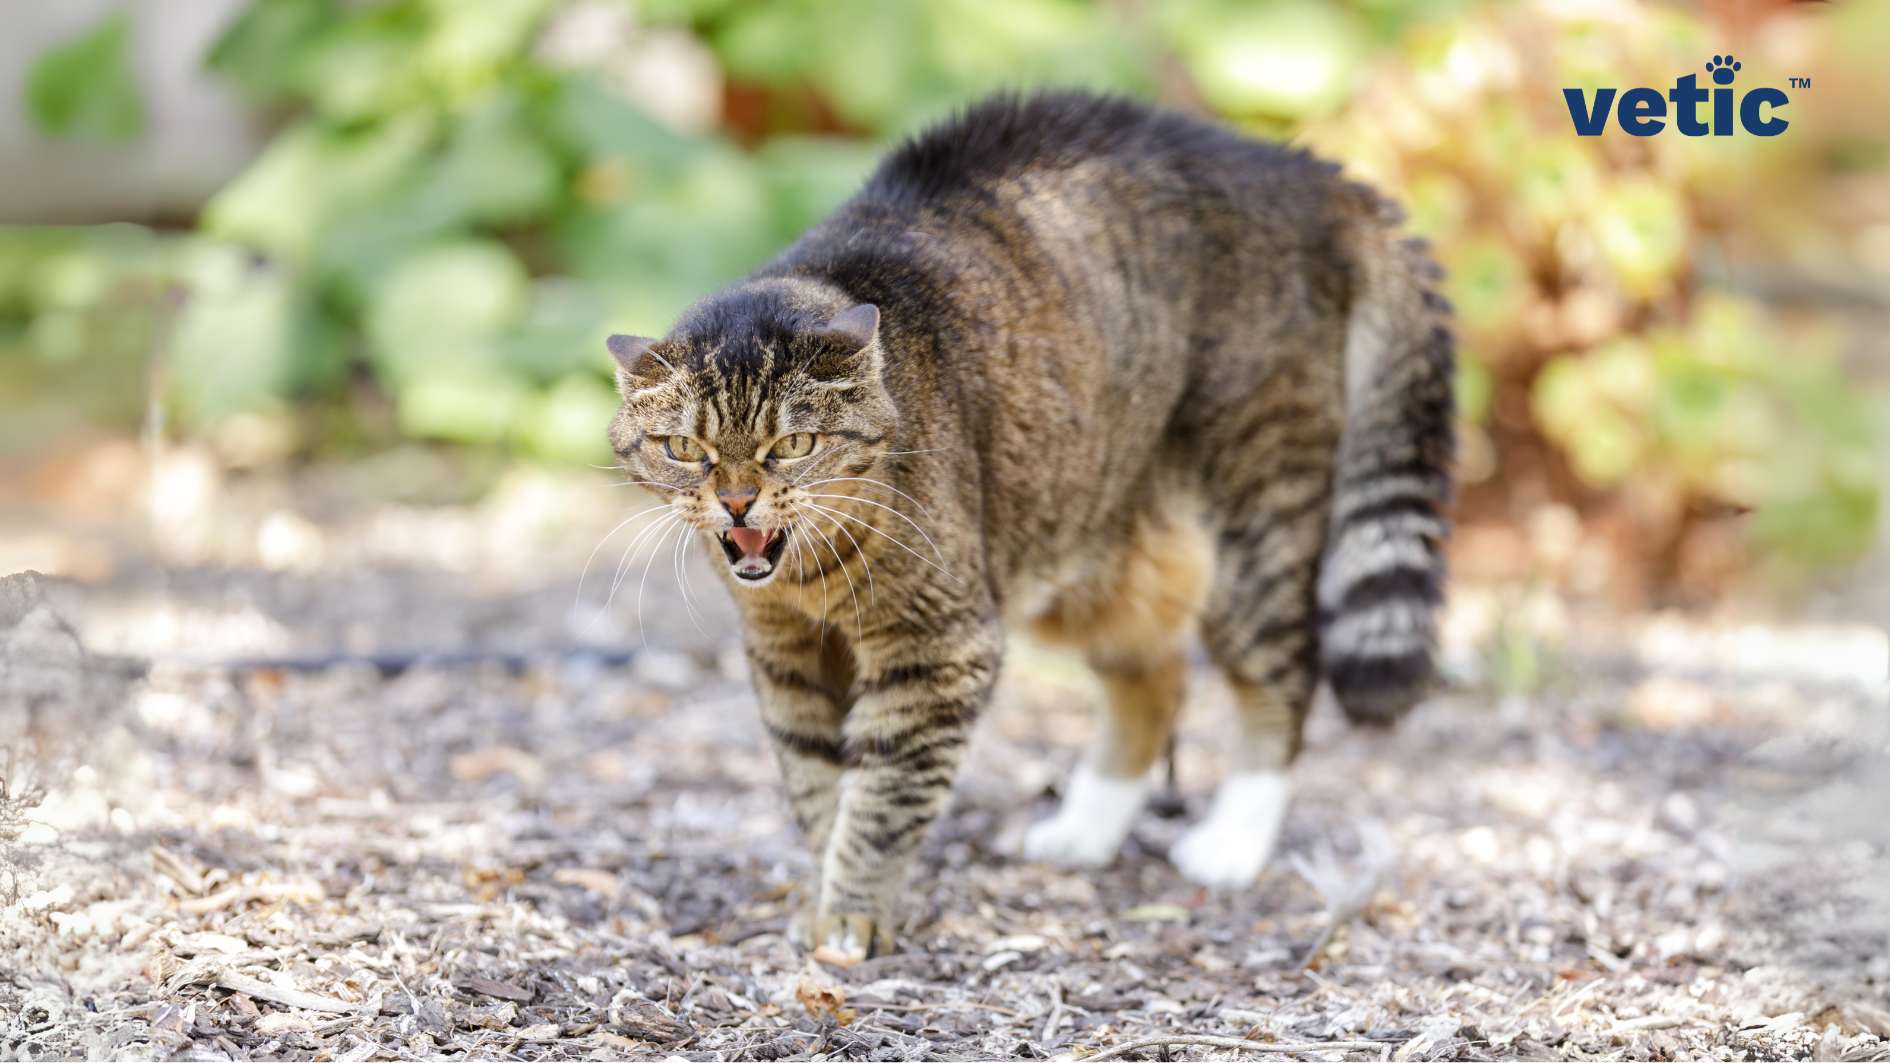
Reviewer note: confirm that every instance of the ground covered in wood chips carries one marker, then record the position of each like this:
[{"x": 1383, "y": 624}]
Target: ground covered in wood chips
[{"x": 561, "y": 855}]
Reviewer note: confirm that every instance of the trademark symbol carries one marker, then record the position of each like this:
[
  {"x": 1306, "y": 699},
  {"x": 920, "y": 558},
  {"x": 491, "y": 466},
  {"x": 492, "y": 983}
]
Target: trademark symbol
[{"x": 1801, "y": 83}]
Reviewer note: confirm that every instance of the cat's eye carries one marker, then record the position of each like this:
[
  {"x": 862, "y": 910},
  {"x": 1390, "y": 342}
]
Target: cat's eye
[
  {"x": 683, "y": 448},
  {"x": 798, "y": 445}
]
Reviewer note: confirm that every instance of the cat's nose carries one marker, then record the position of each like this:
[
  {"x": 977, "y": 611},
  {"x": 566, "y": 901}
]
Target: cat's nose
[{"x": 736, "y": 501}]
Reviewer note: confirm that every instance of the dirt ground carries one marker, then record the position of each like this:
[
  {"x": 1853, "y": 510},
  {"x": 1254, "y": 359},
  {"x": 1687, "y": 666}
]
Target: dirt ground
[{"x": 566, "y": 840}]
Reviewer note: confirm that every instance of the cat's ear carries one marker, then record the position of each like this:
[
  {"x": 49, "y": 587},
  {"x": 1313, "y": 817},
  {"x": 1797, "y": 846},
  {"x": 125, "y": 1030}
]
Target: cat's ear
[
  {"x": 847, "y": 352},
  {"x": 859, "y": 325},
  {"x": 638, "y": 364}
]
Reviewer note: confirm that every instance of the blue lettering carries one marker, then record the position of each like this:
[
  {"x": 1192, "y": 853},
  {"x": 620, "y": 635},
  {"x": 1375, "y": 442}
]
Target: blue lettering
[
  {"x": 1589, "y": 121},
  {"x": 1687, "y": 96},
  {"x": 1756, "y": 123},
  {"x": 1641, "y": 112}
]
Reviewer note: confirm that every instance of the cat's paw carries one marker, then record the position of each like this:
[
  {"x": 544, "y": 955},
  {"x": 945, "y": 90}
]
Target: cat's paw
[
  {"x": 1091, "y": 823},
  {"x": 1723, "y": 68},
  {"x": 800, "y": 928},
  {"x": 1067, "y": 842},
  {"x": 1228, "y": 848},
  {"x": 844, "y": 939}
]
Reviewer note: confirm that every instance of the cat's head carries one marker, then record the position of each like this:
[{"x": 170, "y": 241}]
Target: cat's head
[{"x": 744, "y": 414}]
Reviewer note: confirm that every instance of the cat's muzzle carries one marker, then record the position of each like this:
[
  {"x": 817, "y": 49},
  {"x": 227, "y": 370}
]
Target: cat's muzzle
[{"x": 752, "y": 552}]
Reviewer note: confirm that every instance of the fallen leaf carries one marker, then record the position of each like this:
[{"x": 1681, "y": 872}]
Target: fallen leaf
[
  {"x": 1156, "y": 913},
  {"x": 822, "y": 996}
]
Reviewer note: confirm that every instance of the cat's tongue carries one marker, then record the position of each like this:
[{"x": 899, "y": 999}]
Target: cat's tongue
[{"x": 749, "y": 541}]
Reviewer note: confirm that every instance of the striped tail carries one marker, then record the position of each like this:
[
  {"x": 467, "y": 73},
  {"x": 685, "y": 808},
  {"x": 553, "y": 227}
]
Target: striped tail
[{"x": 1382, "y": 577}]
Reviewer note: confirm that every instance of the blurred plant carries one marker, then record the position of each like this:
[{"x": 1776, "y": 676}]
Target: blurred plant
[
  {"x": 1581, "y": 272},
  {"x": 461, "y": 200},
  {"x": 84, "y": 87}
]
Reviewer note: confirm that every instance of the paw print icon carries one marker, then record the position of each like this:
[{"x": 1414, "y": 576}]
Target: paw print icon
[{"x": 1723, "y": 68}]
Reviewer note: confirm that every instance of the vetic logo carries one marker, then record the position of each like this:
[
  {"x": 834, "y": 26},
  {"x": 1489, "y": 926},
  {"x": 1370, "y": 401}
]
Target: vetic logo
[{"x": 1643, "y": 112}]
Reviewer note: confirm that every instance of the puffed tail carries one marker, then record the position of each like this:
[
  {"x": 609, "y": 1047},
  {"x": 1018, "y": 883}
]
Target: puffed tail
[{"x": 1381, "y": 579}]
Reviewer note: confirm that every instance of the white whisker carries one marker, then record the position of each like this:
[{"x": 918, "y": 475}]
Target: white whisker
[
  {"x": 623, "y": 564},
  {"x": 889, "y": 509},
  {"x": 682, "y": 576},
  {"x": 822, "y": 569},
  {"x": 644, "y": 583},
  {"x": 858, "y": 624},
  {"x": 586, "y": 571},
  {"x": 872, "y": 592},
  {"x": 883, "y": 535},
  {"x": 881, "y": 483}
]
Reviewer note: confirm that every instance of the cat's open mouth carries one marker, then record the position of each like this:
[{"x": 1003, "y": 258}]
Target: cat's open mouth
[{"x": 752, "y": 552}]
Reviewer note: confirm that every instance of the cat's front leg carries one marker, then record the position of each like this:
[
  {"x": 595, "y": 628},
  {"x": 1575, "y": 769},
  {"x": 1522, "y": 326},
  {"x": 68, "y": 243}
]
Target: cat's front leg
[
  {"x": 917, "y": 698},
  {"x": 802, "y": 711}
]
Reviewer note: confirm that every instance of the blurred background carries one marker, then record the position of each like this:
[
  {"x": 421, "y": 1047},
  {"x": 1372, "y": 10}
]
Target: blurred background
[
  {"x": 342, "y": 623},
  {"x": 283, "y": 231},
  {"x": 287, "y": 231}
]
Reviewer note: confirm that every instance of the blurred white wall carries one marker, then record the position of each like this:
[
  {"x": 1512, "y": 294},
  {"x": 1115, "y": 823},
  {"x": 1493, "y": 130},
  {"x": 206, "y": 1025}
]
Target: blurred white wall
[{"x": 197, "y": 133}]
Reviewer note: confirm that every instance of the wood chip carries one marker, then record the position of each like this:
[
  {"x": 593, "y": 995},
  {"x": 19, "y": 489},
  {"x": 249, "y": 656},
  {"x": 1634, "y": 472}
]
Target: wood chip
[
  {"x": 503, "y": 990},
  {"x": 599, "y": 882},
  {"x": 632, "y": 1016},
  {"x": 482, "y": 764},
  {"x": 303, "y": 892}
]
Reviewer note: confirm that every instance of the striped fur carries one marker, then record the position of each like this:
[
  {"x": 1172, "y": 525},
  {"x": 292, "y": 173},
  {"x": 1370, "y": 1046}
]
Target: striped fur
[
  {"x": 1082, "y": 366},
  {"x": 1382, "y": 577}
]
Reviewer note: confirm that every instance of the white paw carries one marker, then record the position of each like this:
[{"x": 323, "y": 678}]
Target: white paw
[
  {"x": 1227, "y": 849},
  {"x": 1091, "y": 823}
]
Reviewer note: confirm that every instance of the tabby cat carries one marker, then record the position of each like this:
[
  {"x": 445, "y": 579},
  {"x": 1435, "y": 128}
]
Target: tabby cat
[{"x": 1080, "y": 365}]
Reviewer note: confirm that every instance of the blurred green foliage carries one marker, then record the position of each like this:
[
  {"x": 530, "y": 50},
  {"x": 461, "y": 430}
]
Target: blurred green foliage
[
  {"x": 84, "y": 88},
  {"x": 461, "y": 200}
]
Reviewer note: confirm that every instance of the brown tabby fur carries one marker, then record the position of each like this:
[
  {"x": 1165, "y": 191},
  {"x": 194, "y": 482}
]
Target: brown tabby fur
[{"x": 1132, "y": 375}]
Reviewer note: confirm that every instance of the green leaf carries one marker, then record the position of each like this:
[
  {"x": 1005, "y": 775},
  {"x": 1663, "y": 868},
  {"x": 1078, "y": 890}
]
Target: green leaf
[
  {"x": 315, "y": 179},
  {"x": 249, "y": 335},
  {"x": 561, "y": 331},
  {"x": 596, "y": 122},
  {"x": 495, "y": 170},
  {"x": 1289, "y": 59},
  {"x": 465, "y": 404},
  {"x": 567, "y": 423},
  {"x": 266, "y": 50},
  {"x": 442, "y": 308},
  {"x": 84, "y": 88}
]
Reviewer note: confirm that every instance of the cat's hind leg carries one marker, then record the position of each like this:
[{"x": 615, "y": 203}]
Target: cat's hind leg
[
  {"x": 1259, "y": 628},
  {"x": 1131, "y": 626}
]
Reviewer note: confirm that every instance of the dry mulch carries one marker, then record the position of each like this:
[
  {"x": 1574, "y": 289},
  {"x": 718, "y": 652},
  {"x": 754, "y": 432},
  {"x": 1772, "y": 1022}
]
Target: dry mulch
[
  {"x": 564, "y": 857},
  {"x": 580, "y": 860}
]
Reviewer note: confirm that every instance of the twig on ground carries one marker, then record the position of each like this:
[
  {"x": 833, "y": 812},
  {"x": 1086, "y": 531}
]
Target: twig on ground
[
  {"x": 1241, "y": 1043},
  {"x": 305, "y": 892},
  {"x": 294, "y": 998},
  {"x": 1047, "y": 1039},
  {"x": 1345, "y": 892}
]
